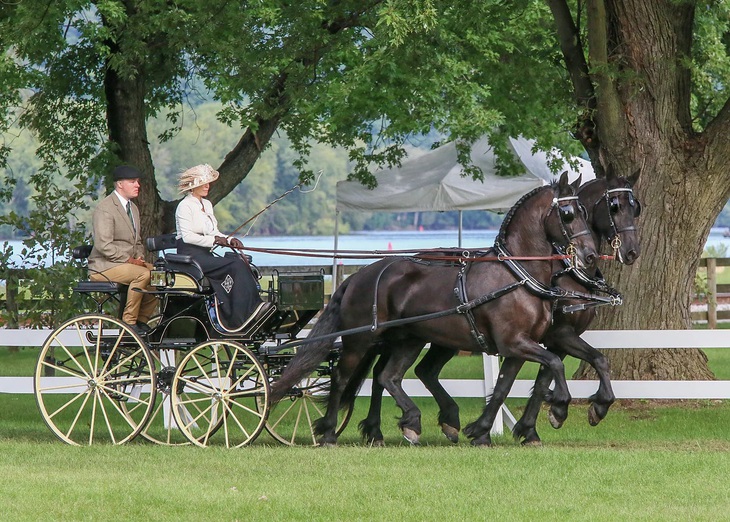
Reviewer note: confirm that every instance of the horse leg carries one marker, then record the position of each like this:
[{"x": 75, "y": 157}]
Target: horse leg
[
  {"x": 571, "y": 344},
  {"x": 391, "y": 378},
  {"x": 520, "y": 350},
  {"x": 525, "y": 427},
  {"x": 370, "y": 425},
  {"x": 479, "y": 430},
  {"x": 559, "y": 397},
  {"x": 428, "y": 371},
  {"x": 354, "y": 350}
]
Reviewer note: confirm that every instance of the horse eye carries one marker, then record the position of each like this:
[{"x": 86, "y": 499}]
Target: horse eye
[
  {"x": 583, "y": 211},
  {"x": 614, "y": 206},
  {"x": 567, "y": 215}
]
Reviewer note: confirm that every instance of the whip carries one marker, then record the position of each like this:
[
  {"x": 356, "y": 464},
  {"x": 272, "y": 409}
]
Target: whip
[{"x": 267, "y": 207}]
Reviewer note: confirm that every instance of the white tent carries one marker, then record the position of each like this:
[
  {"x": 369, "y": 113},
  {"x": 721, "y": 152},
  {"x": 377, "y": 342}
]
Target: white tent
[{"x": 433, "y": 181}]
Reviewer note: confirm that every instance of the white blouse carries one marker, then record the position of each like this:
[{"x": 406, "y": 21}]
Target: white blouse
[{"x": 196, "y": 223}]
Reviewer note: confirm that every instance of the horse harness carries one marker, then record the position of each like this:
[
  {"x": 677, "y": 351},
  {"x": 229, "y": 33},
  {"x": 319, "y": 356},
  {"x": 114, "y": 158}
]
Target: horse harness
[
  {"x": 535, "y": 287},
  {"x": 524, "y": 278}
]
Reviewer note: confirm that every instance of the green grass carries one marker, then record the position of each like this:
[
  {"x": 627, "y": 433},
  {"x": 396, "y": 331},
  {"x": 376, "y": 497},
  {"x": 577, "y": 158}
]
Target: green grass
[
  {"x": 644, "y": 462},
  {"x": 648, "y": 460}
]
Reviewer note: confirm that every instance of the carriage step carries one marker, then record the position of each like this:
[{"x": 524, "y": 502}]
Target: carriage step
[{"x": 176, "y": 343}]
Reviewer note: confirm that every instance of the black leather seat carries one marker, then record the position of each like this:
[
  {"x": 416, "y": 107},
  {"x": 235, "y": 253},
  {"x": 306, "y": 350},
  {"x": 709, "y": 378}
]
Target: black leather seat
[
  {"x": 177, "y": 263},
  {"x": 108, "y": 289}
]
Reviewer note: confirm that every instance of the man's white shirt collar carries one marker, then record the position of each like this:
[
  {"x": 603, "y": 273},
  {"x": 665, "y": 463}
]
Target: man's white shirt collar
[{"x": 122, "y": 199}]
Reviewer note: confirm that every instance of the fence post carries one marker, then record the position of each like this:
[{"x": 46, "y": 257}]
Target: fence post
[
  {"x": 338, "y": 277},
  {"x": 12, "y": 282},
  {"x": 711, "y": 293}
]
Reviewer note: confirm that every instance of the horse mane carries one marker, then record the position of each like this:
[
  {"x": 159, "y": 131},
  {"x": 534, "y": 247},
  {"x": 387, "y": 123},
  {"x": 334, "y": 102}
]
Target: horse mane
[{"x": 502, "y": 236}]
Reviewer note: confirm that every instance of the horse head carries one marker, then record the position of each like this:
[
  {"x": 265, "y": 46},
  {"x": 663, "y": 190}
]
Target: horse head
[
  {"x": 566, "y": 221},
  {"x": 612, "y": 211}
]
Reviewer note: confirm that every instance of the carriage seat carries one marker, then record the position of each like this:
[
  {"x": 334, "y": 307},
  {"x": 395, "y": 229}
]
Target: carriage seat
[
  {"x": 99, "y": 291},
  {"x": 82, "y": 253},
  {"x": 185, "y": 264},
  {"x": 177, "y": 263}
]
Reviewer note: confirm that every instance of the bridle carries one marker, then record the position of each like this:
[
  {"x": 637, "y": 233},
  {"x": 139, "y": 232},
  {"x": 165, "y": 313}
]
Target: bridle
[
  {"x": 566, "y": 215},
  {"x": 612, "y": 207}
]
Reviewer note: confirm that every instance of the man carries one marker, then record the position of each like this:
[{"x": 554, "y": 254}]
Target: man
[{"x": 117, "y": 253}]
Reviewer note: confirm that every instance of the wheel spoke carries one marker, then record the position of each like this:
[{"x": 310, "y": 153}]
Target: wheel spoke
[
  {"x": 120, "y": 372},
  {"x": 227, "y": 415}
]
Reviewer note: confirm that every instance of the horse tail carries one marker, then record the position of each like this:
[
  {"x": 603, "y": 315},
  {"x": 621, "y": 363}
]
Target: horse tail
[{"x": 311, "y": 355}]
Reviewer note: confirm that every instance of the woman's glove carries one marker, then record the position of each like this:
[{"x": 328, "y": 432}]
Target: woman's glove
[
  {"x": 220, "y": 240},
  {"x": 235, "y": 242}
]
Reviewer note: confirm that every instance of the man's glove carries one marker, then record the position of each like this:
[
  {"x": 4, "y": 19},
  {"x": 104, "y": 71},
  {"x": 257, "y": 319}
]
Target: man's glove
[
  {"x": 235, "y": 242},
  {"x": 220, "y": 240},
  {"x": 136, "y": 261}
]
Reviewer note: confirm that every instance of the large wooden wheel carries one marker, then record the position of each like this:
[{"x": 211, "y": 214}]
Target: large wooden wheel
[
  {"x": 162, "y": 427},
  {"x": 95, "y": 381},
  {"x": 216, "y": 389},
  {"x": 291, "y": 420}
]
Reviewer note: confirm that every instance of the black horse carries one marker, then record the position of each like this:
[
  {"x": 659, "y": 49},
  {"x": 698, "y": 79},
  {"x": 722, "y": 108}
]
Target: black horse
[
  {"x": 612, "y": 210},
  {"x": 502, "y": 309}
]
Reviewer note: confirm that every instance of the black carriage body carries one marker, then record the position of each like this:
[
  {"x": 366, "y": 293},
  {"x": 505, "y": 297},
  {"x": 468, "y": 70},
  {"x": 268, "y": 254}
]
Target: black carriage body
[
  {"x": 188, "y": 312},
  {"x": 188, "y": 376}
]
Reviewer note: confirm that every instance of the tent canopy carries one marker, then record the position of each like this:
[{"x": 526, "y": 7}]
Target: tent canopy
[{"x": 433, "y": 181}]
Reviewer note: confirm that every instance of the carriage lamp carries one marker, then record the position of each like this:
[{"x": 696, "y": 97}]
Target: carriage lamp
[{"x": 159, "y": 276}]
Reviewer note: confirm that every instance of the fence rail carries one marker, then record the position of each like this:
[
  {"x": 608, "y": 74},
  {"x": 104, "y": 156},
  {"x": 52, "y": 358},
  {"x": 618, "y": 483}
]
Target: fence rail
[
  {"x": 601, "y": 339},
  {"x": 482, "y": 388}
]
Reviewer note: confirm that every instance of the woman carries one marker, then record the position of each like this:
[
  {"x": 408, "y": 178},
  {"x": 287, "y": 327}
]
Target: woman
[{"x": 238, "y": 303}]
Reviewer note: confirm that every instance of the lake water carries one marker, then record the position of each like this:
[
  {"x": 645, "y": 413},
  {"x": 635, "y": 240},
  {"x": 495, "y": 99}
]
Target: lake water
[{"x": 378, "y": 241}]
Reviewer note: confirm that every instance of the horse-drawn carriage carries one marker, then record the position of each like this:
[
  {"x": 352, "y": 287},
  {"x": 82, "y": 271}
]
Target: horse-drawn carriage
[{"x": 188, "y": 379}]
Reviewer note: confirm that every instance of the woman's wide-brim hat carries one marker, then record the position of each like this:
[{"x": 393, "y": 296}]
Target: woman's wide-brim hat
[{"x": 197, "y": 176}]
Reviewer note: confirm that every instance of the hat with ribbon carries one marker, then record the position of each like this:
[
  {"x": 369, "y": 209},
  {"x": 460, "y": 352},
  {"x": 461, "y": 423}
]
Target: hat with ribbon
[{"x": 197, "y": 176}]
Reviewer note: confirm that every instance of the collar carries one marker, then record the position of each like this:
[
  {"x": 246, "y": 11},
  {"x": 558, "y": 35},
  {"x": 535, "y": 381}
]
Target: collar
[{"x": 122, "y": 199}]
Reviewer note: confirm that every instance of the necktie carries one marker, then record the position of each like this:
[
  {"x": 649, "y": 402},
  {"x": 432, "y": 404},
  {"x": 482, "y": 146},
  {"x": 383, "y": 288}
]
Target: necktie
[{"x": 129, "y": 213}]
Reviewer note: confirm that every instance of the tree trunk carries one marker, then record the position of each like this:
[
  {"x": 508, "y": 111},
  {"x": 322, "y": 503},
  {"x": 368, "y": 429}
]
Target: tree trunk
[
  {"x": 643, "y": 123},
  {"x": 126, "y": 120}
]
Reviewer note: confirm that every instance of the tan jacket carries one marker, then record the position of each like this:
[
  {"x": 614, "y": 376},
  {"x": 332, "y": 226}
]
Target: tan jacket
[{"x": 114, "y": 237}]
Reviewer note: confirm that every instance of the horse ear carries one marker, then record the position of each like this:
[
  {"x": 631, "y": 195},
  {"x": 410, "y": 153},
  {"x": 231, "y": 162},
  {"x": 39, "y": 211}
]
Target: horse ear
[
  {"x": 634, "y": 177},
  {"x": 610, "y": 172},
  {"x": 577, "y": 181},
  {"x": 563, "y": 183}
]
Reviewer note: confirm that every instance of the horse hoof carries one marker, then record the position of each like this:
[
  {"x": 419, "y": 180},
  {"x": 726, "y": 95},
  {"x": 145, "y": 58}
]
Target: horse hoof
[
  {"x": 554, "y": 421},
  {"x": 482, "y": 442},
  {"x": 451, "y": 433},
  {"x": 411, "y": 436},
  {"x": 532, "y": 443},
  {"x": 379, "y": 443},
  {"x": 327, "y": 445},
  {"x": 593, "y": 417}
]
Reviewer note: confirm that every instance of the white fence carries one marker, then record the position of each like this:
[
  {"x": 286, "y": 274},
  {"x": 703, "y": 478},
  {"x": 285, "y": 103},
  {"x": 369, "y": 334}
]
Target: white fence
[{"x": 601, "y": 339}]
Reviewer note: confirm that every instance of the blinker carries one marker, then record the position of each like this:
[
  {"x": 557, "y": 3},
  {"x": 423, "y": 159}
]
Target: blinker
[
  {"x": 567, "y": 214},
  {"x": 614, "y": 205}
]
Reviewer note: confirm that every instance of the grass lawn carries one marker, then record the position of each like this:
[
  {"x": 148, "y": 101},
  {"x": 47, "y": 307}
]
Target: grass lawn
[
  {"x": 643, "y": 462},
  {"x": 648, "y": 460}
]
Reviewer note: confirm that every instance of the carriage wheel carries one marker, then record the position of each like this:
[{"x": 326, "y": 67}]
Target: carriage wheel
[
  {"x": 217, "y": 386},
  {"x": 291, "y": 420},
  {"x": 95, "y": 381},
  {"x": 162, "y": 428}
]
